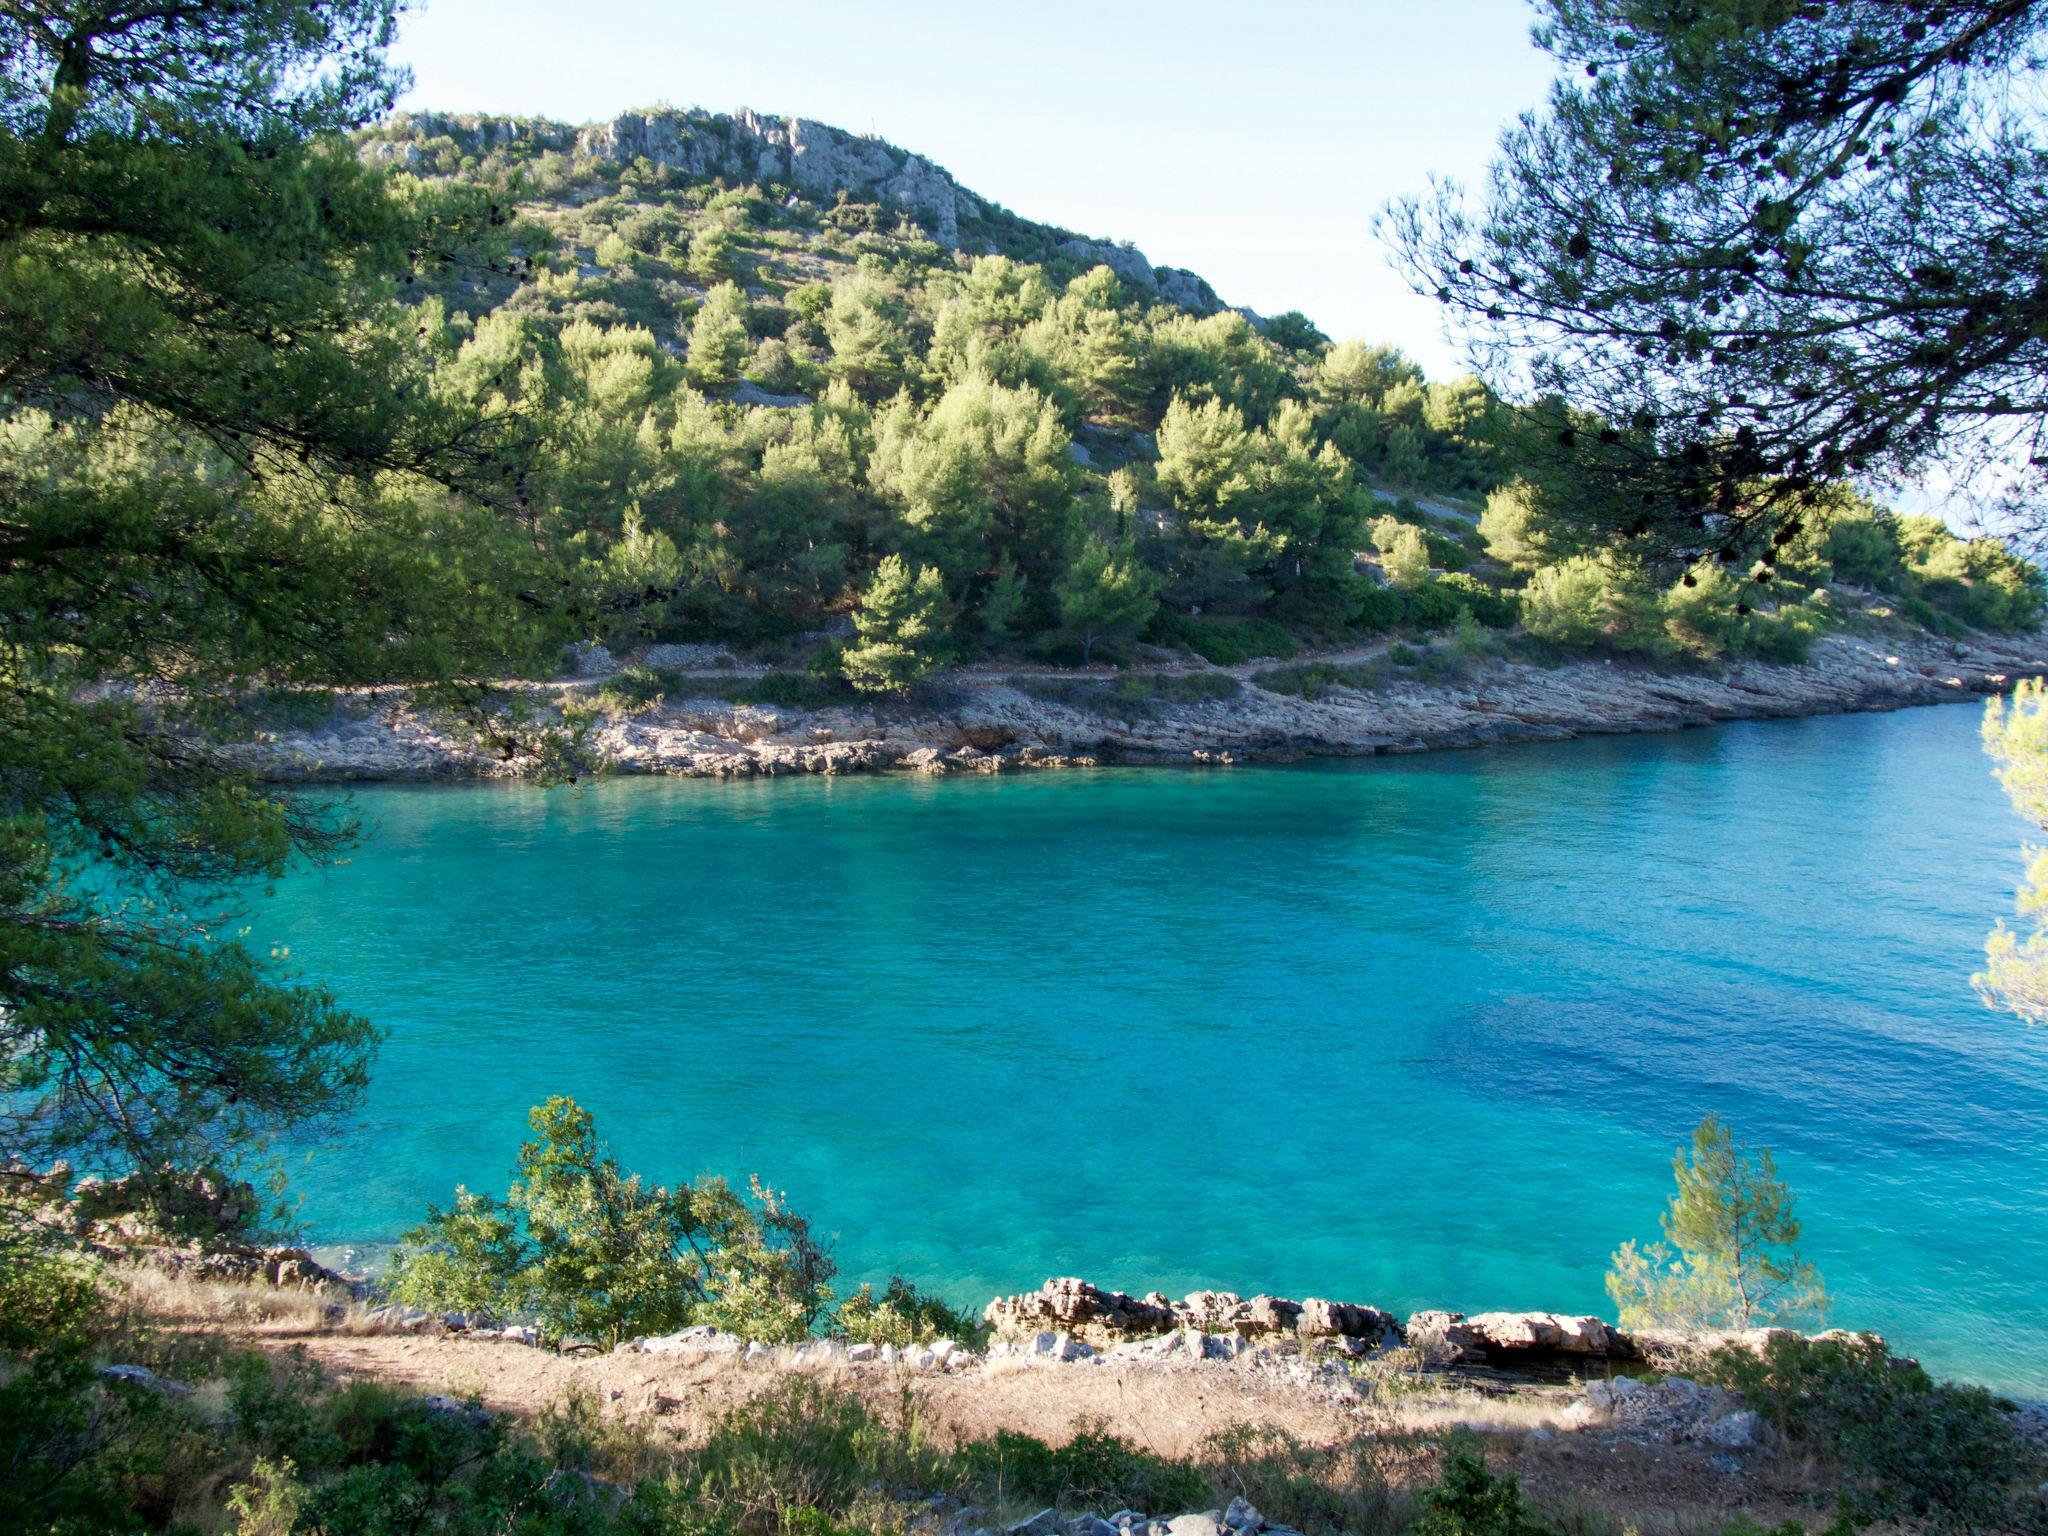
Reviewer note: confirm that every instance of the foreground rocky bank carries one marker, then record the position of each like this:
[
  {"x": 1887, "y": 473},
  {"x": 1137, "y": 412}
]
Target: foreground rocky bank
[{"x": 1351, "y": 704}]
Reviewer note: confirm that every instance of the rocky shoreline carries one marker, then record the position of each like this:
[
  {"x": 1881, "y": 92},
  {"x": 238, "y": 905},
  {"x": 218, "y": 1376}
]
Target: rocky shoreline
[{"x": 984, "y": 721}]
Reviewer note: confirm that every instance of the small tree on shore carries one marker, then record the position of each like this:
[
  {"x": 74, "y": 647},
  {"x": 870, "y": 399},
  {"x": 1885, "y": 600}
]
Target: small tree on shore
[
  {"x": 899, "y": 626},
  {"x": 1105, "y": 595},
  {"x": 1730, "y": 1257},
  {"x": 592, "y": 1252}
]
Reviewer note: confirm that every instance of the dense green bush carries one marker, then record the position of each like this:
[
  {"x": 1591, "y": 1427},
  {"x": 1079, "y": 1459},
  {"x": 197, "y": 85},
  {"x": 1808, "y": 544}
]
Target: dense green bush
[
  {"x": 591, "y": 1252},
  {"x": 903, "y": 1315},
  {"x": 1471, "y": 1501},
  {"x": 1221, "y": 642},
  {"x": 1903, "y": 1444},
  {"x": 1490, "y": 606},
  {"x": 1094, "y": 1470},
  {"x": 1314, "y": 679},
  {"x": 1592, "y": 603},
  {"x": 1433, "y": 604}
]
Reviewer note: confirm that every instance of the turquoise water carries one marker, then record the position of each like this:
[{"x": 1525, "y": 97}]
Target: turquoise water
[{"x": 1421, "y": 1031}]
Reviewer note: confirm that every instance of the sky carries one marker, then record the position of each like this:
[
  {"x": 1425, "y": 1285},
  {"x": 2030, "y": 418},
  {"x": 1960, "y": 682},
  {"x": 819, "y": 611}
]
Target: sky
[{"x": 1252, "y": 145}]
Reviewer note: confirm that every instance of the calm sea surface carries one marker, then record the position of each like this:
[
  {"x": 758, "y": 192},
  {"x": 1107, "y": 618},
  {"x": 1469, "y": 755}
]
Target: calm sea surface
[{"x": 1413, "y": 1032}]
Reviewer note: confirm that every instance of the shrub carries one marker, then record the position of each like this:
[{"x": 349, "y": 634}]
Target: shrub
[
  {"x": 1221, "y": 642},
  {"x": 633, "y": 690},
  {"x": 591, "y": 1252},
  {"x": 1095, "y": 1469},
  {"x": 1490, "y": 606},
  {"x": 903, "y": 1315},
  {"x": 801, "y": 1446},
  {"x": 1339, "y": 1488},
  {"x": 1404, "y": 552},
  {"x": 1904, "y": 1444},
  {"x": 1471, "y": 1501},
  {"x": 1314, "y": 679},
  {"x": 1378, "y": 609},
  {"x": 1587, "y": 602},
  {"x": 900, "y": 627},
  {"x": 1433, "y": 605}
]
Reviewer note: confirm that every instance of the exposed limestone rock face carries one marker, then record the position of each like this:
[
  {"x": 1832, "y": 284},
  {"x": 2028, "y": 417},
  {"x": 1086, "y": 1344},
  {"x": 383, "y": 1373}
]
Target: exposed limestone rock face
[
  {"x": 813, "y": 157},
  {"x": 1494, "y": 1338},
  {"x": 989, "y": 723},
  {"x": 1074, "y": 1306},
  {"x": 400, "y": 142}
]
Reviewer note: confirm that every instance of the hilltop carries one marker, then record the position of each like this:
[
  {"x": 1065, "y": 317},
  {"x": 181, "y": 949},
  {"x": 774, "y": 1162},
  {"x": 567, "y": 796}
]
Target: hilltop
[{"x": 853, "y": 184}]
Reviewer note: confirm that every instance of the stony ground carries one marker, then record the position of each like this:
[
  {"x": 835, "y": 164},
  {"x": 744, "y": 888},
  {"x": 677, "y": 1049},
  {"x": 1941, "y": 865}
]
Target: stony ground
[
  {"x": 995, "y": 719},
  {"x": 1644, "y": 1459}
]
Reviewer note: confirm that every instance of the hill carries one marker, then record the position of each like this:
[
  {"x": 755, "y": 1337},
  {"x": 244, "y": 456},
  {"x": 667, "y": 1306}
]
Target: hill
[{"x": 783, "y": 387}]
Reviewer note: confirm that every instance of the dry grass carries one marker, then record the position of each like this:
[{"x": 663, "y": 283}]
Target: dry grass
[{"x": 263, "y": 1310}]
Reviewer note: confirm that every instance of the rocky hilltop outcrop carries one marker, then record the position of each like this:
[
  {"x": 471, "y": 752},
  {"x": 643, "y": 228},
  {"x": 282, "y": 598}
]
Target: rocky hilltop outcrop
[{"x": 813, "y": 158}]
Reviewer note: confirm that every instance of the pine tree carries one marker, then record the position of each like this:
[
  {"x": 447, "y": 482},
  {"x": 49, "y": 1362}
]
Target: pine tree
[
  {"x": 719, "y": 343},
  {"x": 2015, "y": 974},
  {"x": 1105, "y": 595},
  {"x": 221, "y": 462},
  {"x": 900, "y": 625},
  {"x": 1730, "y": 1257}
]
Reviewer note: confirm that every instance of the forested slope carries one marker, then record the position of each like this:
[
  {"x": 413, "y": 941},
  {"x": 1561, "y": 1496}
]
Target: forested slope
[{"x": 776, "y": 378}]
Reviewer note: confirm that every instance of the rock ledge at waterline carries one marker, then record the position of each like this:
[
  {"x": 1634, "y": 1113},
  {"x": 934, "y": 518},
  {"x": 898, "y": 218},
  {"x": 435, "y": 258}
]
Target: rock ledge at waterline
[{"x": 984, "y": 721}]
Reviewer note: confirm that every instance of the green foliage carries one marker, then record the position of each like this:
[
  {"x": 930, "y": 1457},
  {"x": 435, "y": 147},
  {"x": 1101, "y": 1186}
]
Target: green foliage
[
  {"x": 1337, "y": 1487},
  {"x": 1591, "y": 602},
  {"x": 1434, "y": 604},
  {"x": 1221, "y": 642},
  {"x": 1490, "y": 606},
  {"x": 1094, "y": 1470},
  {"x": 1730, "y": 1257},
  {"x": 1520, "y": 531},
  {"x": 591, "y": 1252},
  {"x": 2015, "y": 974},
  {"x": 223, "y": 457},
  {"x": 903, "y": 1315},
  {"x": 1904, "y": 1445},
  {"x": 798, "y": 1459},
  {"x": 1717, "y": 243},
  {"x": 1710, "y": 618},
  {"x": 1404, "y": 553},
  {"x": 1471, "y": 1501},
  {"x": 1105, "y": 595},
  {"x": 1315, "y": 679},
  {"x": 719, "y": 343},
  {"x": 899, "y": 626}
]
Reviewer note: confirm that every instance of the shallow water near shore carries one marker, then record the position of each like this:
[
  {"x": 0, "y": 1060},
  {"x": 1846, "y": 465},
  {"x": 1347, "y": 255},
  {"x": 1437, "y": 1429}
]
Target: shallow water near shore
[{"x": 1414, "y": 1032}]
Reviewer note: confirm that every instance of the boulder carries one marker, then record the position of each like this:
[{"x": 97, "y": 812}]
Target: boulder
[
  {"x": 1074, "y": 1306},
  {"x": 1506, "y": 1338},
  {"x": 1319, "y": 1319},
  {"x": 142, "y": 1376}
]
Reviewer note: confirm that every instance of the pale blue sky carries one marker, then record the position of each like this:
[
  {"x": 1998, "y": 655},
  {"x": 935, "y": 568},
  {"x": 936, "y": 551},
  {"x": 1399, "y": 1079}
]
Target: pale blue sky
[{"x": 1252, "y": 144}]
